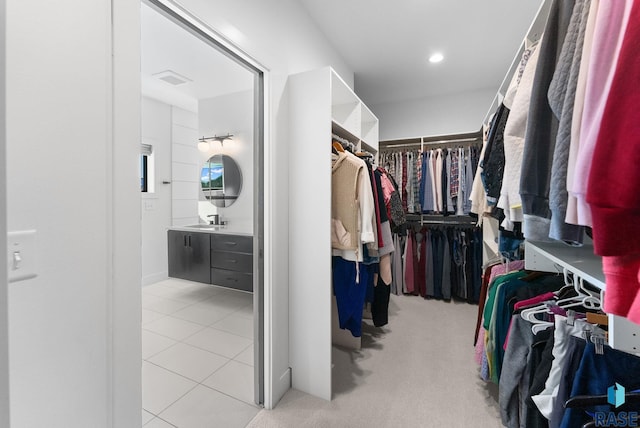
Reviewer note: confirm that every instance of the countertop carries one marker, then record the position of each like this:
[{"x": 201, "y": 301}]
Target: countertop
[{"x": 226, "y": 230}]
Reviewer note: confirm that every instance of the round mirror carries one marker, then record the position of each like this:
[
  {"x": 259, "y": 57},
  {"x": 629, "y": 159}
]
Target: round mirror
[{"x": 221, "y": 180}]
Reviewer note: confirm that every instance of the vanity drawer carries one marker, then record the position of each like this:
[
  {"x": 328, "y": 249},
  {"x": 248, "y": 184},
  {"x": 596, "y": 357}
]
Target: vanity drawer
[
  {"x": 240, "y": 244},
  {"x": 232, "y": 279},
  {"x": 241, "y": 262}
]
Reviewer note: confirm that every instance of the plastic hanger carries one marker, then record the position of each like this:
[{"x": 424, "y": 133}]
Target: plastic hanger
[{"x": 530, "y": 315}]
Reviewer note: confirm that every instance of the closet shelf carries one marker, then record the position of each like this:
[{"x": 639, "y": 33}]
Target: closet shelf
[
  {"x": 554, "y": 256},
  {"x": 338, "y": 129}
]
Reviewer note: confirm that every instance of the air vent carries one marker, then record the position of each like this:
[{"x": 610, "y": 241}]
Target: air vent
[{"x": 172, "y": 77}]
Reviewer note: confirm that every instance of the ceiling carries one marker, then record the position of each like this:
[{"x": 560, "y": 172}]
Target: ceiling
[
  {"x": 167, "y": 46},
  {"x": 387, "y": 43}
]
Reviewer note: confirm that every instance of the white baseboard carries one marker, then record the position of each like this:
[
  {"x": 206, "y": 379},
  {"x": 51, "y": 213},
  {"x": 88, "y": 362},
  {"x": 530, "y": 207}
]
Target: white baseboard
[
  {"x": 282, "y": 385},
  {"x": 153, "y": 278}
]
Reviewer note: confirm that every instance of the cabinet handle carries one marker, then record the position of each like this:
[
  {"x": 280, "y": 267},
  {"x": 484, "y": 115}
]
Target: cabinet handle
[
  {"x": 189, "y": 240},
  {"x": 185, "y": 240},
  {"x": 231, "y": 243}
]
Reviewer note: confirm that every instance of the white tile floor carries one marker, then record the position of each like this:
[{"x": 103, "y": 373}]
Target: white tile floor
[{"x": 197, "y": 350}]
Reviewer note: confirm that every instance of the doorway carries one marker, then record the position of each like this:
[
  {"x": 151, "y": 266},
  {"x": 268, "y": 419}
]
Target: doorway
[{"x": 194, "y": 87}]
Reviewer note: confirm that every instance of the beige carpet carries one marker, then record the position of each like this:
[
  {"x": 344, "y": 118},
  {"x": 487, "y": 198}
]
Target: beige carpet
[{"x": 418, "y": 371}]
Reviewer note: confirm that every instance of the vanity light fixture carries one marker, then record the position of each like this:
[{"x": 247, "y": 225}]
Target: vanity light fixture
[{"x": 204, "y": 143}]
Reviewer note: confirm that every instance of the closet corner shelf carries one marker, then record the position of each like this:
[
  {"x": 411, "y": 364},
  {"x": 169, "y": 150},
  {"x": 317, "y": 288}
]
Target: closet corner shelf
[{"x": 553, "y": 256}]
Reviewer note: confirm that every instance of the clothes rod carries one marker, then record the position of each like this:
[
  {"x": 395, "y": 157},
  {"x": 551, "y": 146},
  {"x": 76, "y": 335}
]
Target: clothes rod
[
  {"x": 430, "y": 143},
  {"x": 438, "y": 219}
]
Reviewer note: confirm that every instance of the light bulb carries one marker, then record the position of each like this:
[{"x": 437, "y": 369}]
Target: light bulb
[{"x": 204, "y": 146}]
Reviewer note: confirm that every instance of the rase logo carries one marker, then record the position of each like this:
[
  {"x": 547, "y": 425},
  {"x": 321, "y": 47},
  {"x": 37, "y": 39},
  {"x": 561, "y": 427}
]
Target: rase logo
[{"x": 616, "y": 397}]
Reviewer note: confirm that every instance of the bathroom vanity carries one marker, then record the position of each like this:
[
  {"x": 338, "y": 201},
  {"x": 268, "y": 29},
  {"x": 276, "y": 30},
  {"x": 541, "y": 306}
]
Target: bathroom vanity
[{"x": 211, "y": 255}]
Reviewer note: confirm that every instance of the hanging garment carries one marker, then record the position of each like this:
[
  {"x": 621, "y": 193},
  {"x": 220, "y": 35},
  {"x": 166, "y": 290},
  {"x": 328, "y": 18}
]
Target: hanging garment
[
  {"x": 380, "y": 211},
  {"x": 421, "y": 267},
  {"x": 350, "y": 293},
  {"x": 352, "y": 207},
  {"x": 610, "y": 26},
  {"x": 403, "y": 182},
  {"x": 615, "y": 205},
  {"x": 410, "y": 182},
  {"x": 429, "y": 266},
  {"x": 434, "y": 177},
  {"x": 438, "y": 262},
  {"x": 594, "y": 376},
  {"x": 427, "y": 183},
  {"x": 546, "y": 401},
  {"x": 447, "y": 183},
  {"x": 542, "y": 127},
  {"x": 576, "y": 121},
  {"x": 561, "y": 100},
  {"x": 410, "y": 263},
  {"x": 468, "y": 180},
  {"x": 477, "y": 195},
  {"x": 514, "y": 134},
  {"x": 454, "y": 179},
  {"x": 397, "y": 265},
  {"x": 462, "y": 179},
  {"x": 380, "y": 306},
  {"x": 446, "y": 267},
  {"x": 416, "y": 184},
  {"x": 517, "y": 373},
  {"x": 493, "y": 162}
]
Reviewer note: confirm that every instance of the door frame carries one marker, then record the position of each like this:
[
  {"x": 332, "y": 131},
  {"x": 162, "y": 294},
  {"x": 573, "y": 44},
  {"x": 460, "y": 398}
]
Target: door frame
[
  {"x": 262, "y": 171},
  {"x": 4, "y": 290}
]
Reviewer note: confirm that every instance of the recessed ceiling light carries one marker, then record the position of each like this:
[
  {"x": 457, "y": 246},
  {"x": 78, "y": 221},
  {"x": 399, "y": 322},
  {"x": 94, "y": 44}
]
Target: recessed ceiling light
[{"x": 435, "y": 58}]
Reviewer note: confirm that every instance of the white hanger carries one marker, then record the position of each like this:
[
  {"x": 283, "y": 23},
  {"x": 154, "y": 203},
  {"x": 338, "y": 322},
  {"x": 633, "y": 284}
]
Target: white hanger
[{"x": 529, "y": 314}]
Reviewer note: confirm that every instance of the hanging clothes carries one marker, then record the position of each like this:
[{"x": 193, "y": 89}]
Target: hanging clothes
[
  {"x": 439, "y": 262},
  {"x": 361, "y": 240}
]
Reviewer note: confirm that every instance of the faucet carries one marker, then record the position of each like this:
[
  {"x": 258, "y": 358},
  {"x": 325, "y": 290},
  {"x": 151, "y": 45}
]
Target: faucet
[{"x": 215, "y": 220}]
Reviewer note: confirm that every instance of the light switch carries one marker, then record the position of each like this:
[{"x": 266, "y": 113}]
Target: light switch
[{"x": 21, "y": 252}]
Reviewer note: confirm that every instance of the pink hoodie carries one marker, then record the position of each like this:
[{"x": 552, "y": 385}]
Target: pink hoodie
[{"x": 611, "y": 24}]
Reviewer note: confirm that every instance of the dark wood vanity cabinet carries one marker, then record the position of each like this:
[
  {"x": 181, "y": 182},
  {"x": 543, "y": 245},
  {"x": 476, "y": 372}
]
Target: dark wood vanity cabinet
[
  {"x": 232, "y": 261},
  {"x": 189, "y": 255}
]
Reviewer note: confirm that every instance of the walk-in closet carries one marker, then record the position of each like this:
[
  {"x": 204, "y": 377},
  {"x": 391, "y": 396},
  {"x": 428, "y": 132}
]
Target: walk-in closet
[{"x": 304, "y": 213}]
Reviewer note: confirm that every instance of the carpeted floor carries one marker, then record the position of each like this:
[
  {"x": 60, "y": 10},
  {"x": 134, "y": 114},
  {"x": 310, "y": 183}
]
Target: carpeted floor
[{"x": 418, "y": 371}]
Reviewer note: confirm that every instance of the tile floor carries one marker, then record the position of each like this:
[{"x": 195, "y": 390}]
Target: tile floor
[{"x": 197, "y": 351}]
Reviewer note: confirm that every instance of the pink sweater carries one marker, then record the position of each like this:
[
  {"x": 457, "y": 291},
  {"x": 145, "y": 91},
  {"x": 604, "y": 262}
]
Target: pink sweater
[{"x": 611, "y": 23}]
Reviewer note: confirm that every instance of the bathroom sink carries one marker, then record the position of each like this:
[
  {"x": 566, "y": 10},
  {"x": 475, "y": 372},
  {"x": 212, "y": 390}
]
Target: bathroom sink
[{"x": 204, "y": 226}]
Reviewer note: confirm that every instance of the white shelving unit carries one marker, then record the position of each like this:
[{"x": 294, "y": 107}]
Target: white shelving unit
[
  {"x": 320, "y": 103},
  {"x": 581, "y": 261}
]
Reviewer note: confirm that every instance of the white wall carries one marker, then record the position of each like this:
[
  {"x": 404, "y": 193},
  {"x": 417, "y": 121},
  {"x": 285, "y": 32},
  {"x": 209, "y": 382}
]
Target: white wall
[
  {"x": 73, "y": 134},
  {"x": 185, "y": 172},
  {"x": 442, "y": 115},
  {"x": 156, "y": 206},
  {"x": 281, "y": 36},
  {"x": 74, "y": 336},
  {"x": 231, "y": 113},
  {"x": 172, "y": 131}
]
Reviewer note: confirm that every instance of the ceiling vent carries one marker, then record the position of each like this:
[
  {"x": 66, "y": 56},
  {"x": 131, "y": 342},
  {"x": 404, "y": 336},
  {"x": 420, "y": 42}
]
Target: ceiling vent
[{"x": 172, "y": 77}]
